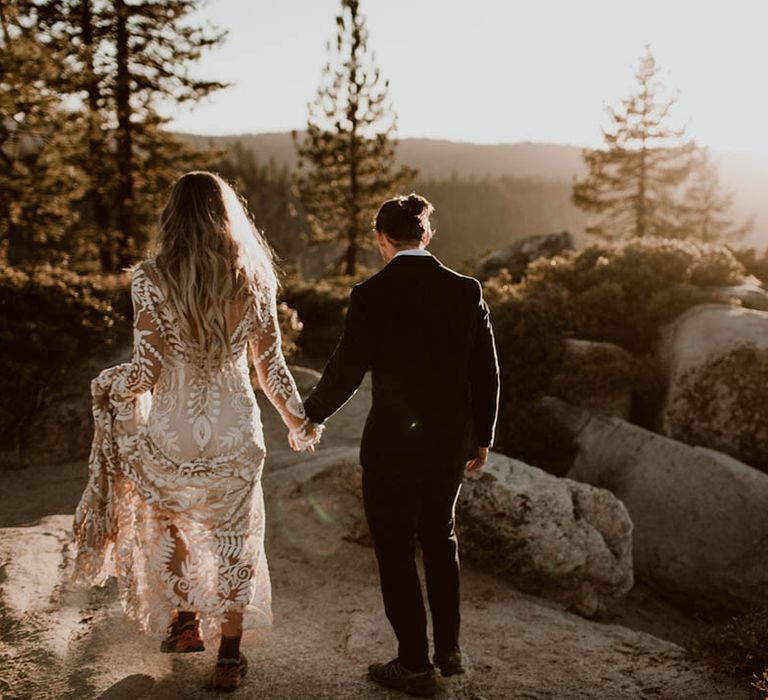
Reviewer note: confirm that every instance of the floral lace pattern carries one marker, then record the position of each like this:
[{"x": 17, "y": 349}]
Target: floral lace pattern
[{"x": 175, "y": 467}]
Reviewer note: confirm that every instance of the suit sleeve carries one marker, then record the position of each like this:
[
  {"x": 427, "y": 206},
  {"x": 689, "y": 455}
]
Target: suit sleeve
[
  {"x": 484, "y": 377},
  {"x": 347, "y": 366}
]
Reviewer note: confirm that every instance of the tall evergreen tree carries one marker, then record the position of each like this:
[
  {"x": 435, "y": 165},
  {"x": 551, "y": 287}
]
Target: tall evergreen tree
[
  {"x": 155, "y": 43},
  {"x": 79, "y": 31},
  {"x": 704, "y": 211},
  {"x": 347, "y": 155},
  {"x": 37, "y": 180},
  {"x": 632, "y": 183},
  {"x": 124, "y": 58}
]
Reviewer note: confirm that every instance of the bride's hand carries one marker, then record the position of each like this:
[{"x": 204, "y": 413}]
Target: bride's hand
[{"x": 305, "y": 436}]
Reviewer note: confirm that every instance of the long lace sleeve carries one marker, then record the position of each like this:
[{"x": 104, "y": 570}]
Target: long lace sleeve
[
  {"x": 276, "y": 380},
  {"x": 272, "y": 371},
  {"x": 147, "y": 358}
]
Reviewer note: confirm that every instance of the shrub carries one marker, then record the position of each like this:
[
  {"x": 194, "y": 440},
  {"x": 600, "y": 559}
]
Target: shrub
[
  {"x": 49, "y": 318},
  {"x": 738, "y": 647},
  {"x": 290, "y": 329},
  {"x": 621, "y": 294},
  {"x": 716, "y": 266},
  {"x": 723, "y": 404},
  {"x": 52, "y": 319},
  {"x": 603, "y": 371},
  {"x": 322, "y": 308},
  {"x": 754, "y": 263},
  {"x": 529, "y": 331}
]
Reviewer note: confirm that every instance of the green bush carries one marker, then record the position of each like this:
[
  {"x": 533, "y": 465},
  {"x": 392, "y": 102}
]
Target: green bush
[
  {"x": 716, "y": 266},
  {"x": 529, "y": 331},
  {"x": 322, "y": 308},
  {"x": 723, "y": 404},
  {"x": 602, "y": 371},
  {"x": 623, "y": 293},
  {"x": 620, "y": 294},
  {"x": 754, "y": 262},
  {"x": 50, "y": 318},
  {"x": 290, "y": 329},
  {"x": 738, "y": 647}
]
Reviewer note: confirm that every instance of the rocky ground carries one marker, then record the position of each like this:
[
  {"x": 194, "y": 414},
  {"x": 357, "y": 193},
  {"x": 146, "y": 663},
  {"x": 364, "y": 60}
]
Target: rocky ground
[{"x": 59, "y": 642}]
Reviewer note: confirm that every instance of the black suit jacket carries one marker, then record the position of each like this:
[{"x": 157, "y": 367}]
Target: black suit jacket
[{"x": 424, "y": 332}]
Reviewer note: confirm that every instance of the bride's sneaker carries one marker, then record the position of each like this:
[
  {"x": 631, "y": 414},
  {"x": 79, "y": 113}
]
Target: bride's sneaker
[
  {"x": 420, "y": 684},
  {"x": 230, "y": 672},
  {"x": 183, "y": 638}
]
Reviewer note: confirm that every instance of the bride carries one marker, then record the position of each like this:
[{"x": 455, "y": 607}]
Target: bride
[{"x": 173, "y": 507}]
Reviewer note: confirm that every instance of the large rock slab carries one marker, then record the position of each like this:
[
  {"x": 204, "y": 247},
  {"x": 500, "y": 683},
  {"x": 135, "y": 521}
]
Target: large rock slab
[
  {"x": 329, "y": 625},
  {"x": 717, "y": 362},
  {"x": 700, "y": 526},
  {"x": 515, "y": 257},
  {"x": 555, "y": 537},
  {"x": 706, "y": 331}
]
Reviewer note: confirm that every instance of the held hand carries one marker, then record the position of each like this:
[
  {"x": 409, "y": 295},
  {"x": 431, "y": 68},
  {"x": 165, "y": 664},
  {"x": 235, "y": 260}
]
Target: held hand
[
  {"x": 297, "y": 445},
  {"x": 304, "y": 437},
  {"x": 479, "y": 461}
]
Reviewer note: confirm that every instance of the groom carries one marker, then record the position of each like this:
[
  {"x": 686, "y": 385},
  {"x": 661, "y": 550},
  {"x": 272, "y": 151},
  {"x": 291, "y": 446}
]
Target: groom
[{"x": 424, "y": 332}]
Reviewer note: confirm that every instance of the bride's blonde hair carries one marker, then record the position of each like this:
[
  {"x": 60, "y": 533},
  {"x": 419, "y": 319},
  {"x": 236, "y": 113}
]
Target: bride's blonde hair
[{"x": 210, "y": 253}]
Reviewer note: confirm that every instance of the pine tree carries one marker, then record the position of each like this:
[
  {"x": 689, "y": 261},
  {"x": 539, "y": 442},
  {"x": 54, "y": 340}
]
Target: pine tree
[
  {"x": 37, "y": 178},
  {"x": 79, "y": 32},
  {"x": 123, "y": 58},
  {"x": 632, "y": 183},
  {"x": 346, "y": 156},
  {"x": 704, "y": 208}
]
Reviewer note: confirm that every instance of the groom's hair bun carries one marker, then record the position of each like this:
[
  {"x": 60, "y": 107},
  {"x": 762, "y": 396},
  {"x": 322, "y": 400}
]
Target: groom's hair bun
[
  {"x": 414, "y": 204},
  {"x": 405, "y": 218}
]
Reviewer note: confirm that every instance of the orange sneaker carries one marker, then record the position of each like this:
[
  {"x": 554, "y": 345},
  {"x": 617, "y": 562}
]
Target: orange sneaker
[
  {"x": 229, "y": 673},
  {"x": 183, "y": 639}
]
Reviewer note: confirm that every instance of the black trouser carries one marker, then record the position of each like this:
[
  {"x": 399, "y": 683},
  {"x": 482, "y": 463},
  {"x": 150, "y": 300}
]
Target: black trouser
[{"x": 398, "y": 510}]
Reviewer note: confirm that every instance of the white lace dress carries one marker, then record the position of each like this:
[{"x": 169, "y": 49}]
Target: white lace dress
[{"x": 176, "y": 460}]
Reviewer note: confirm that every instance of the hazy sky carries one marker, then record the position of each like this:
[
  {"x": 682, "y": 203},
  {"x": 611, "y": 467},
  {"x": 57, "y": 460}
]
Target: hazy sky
[{"x": 498, "y": 70}]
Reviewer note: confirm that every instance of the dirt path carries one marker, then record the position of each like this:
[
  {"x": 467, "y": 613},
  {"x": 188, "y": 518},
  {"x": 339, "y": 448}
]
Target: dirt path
[{"x": 72, "y": 644}]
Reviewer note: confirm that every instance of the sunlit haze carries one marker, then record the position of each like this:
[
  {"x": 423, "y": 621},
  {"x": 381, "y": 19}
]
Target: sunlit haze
[{"x": 497, "y": 70}]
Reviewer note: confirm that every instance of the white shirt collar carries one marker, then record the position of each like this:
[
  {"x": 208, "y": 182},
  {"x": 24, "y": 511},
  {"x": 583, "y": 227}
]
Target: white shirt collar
[{"x": 413, "y": 251}]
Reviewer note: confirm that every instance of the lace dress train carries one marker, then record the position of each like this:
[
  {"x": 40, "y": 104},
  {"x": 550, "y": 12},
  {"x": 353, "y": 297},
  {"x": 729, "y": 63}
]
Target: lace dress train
[{"x": 173, "y": 507}]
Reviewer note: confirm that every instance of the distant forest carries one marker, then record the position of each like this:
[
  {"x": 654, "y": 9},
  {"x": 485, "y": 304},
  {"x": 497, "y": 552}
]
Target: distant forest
[
  {"x": 485, "y": 196},
  {"x": 473, "y": 216}
]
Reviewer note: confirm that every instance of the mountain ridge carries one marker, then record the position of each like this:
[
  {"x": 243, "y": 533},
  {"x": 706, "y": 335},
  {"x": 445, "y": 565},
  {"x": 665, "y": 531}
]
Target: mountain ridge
[{"x": 742, "y": 174}]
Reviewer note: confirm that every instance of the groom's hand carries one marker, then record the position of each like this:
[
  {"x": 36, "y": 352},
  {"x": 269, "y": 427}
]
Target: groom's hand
[{"x": 479, "y": 461}]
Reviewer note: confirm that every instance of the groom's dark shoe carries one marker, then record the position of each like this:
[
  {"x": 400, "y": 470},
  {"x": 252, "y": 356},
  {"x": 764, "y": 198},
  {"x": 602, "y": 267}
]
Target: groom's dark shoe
[
  {"x": 450, "y": 663},
  {"x": 420, "y": 684}
]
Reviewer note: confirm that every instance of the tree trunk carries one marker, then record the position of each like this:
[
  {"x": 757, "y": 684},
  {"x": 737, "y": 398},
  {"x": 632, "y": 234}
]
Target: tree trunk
[
  {"x": 18, "y": 251},
  {"x": 124, "y": 204},
  {"x": 95, "y": 197},
  {"x": 641, "y": 211},
  {"x": 641, "y": 195},
  {"x": 350, "y": 259},
  {"x": 354, "y": 205}
]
